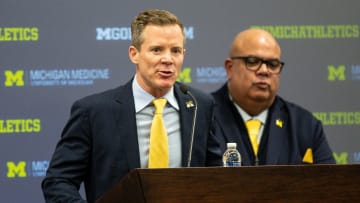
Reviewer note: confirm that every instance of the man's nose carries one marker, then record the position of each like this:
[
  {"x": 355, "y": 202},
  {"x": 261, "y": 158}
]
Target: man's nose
[{"x": 166, "y": 57}]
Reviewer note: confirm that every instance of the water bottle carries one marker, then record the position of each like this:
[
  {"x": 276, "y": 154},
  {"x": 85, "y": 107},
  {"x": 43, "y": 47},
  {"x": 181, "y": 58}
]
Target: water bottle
[{"x": 231, "y": 157}]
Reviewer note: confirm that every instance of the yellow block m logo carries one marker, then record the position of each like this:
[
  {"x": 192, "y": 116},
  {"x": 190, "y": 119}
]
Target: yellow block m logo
[
  {"x": 11, "y": 78},
  {"x": 336, "y": 73},
  {"x": 341, "y": 158},
  {"x": 185, "y": 76},
  {"x": 16, "y": 170}
]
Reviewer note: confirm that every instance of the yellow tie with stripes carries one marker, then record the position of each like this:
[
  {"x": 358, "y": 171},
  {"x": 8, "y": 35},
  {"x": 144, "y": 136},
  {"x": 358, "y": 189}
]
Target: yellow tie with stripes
[
  {"x": 159, "y": 149},
  {"x": 253, "y": 127}
]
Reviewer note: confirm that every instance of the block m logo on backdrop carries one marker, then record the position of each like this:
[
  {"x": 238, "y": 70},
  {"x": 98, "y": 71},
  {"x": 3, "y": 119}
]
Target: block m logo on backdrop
[
  {"x": 14, "y": 78},
  {"x": 16, "y": 170},
  {"x": 336, "y": 73},
  {"x": 185, "y": 75},
  {"x": 341, "y": 158}
]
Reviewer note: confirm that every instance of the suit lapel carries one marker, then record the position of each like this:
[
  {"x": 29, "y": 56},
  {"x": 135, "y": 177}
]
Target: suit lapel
[
  {"x": 231, "y": 125},
  {"x": 126, "y": 123},
  {"x": 232, "y": 131},
  {"x": 278, "y": 123},
  {"x": 238, "y": 133},
  {"x": 186, "y": 120}
]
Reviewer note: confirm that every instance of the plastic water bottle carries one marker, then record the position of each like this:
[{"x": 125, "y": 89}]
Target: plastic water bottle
[{"x": 231, "y": 157}]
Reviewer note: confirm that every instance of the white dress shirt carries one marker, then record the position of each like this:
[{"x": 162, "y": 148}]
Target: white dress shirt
[{"x": 144, "y": 116}]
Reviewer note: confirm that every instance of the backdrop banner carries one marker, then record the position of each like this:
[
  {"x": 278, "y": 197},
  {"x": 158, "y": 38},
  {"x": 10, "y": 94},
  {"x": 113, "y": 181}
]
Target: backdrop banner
[{"x": 55, "y": 52}]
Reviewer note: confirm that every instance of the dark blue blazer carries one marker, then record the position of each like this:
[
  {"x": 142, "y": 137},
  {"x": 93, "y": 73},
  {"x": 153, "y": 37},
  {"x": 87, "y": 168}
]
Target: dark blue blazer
[
  {"x": 99, "y": 144},
  {"x": 288, "y": 132}
]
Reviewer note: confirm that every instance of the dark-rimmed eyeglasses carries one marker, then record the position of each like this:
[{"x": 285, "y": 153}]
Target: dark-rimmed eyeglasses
[{"x": 253, "y": 63}]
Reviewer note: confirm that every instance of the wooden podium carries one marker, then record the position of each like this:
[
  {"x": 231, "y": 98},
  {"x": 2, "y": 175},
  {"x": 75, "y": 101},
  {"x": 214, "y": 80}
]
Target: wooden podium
[{"x": 305, "y": 183}]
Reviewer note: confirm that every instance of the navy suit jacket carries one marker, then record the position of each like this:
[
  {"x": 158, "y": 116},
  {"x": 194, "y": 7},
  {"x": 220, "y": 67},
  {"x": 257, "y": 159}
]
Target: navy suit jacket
[
  {"x": 288, "y": 132},
  {"x": 99, "y": 144}
]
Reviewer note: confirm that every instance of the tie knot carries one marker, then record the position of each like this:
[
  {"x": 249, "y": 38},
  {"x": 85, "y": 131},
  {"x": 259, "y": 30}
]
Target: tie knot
[
  {"x": 159, "y": 105},
  {"x": 253, "y": 124}
]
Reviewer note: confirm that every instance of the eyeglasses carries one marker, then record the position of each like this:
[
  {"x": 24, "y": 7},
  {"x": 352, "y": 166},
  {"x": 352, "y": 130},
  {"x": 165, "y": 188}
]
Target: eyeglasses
[{"x": 253, "y": 63}]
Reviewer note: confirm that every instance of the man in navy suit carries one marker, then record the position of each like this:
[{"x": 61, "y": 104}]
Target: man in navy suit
[
  {"x": 288, "y": 134},
  {"x": 108, "y": 134}
]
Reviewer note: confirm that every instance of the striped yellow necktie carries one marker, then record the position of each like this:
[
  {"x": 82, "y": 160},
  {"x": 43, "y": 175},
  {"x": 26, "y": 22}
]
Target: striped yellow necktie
[
  {"x": 159, "y": 149},
  {"x": 253, "y": 127}
]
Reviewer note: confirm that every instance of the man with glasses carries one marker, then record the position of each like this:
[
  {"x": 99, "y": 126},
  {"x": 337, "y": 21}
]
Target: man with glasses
[{"x": 268, "y": 130}]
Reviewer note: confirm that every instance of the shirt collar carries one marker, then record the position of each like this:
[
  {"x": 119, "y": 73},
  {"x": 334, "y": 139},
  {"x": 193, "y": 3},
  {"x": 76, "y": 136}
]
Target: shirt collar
[
  {"x": 143, "y": 98},
  {"x": 262, "y": 116}
]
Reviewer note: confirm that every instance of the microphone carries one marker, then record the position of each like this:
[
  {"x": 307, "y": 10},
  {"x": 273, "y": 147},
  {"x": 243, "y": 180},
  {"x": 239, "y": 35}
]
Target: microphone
[{"x": 185, "y": 90}]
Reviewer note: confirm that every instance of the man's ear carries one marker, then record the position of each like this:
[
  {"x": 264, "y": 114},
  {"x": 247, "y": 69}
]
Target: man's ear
[
  {"x": 133, "y": 54},
  {"x": 228, "y": 65}
]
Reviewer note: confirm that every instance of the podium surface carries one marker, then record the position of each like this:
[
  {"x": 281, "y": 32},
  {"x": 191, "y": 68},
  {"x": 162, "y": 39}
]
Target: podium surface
[{"x": 298, "y": 183}]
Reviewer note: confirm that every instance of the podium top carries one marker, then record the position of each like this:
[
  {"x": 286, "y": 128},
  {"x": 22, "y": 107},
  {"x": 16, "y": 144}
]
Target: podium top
[{"x": 297, "y": 183}]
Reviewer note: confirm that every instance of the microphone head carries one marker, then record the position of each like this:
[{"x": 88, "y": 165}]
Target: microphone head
[{"x": 184, "y": 89}]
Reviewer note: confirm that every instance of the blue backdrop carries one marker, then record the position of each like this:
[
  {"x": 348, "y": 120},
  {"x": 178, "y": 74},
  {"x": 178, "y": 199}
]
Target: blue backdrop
[{"x": 54, "y": 52}]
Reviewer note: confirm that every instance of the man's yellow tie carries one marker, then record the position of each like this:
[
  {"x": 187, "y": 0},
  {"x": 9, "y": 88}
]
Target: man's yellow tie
[
  {"x": 159, "y": 149},
  {"x": 253, "y": 127}
]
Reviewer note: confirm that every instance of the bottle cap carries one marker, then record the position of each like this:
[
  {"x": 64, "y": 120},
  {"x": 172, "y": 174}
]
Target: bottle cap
[{"x": 231, "y": 144}]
